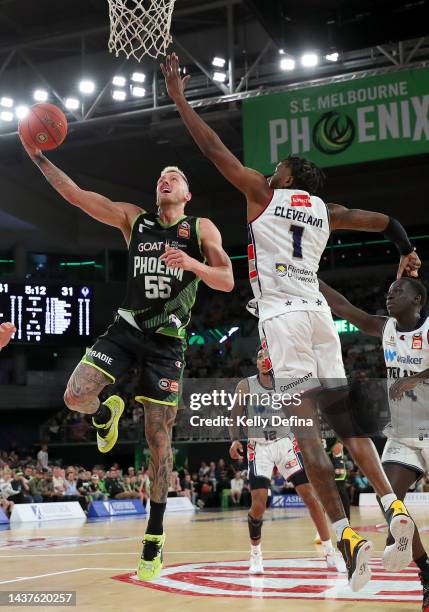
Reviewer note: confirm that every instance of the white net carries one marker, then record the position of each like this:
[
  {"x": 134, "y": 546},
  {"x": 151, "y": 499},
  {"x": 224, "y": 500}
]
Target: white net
[{"x": 140, "y": 27}]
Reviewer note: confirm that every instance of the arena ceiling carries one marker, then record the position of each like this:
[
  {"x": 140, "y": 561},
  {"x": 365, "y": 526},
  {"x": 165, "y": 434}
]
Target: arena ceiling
[{"x": 119, "y": 149}]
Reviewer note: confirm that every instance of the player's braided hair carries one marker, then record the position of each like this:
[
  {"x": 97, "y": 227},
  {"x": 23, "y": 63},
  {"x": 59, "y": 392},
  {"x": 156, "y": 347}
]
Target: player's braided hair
[{"x": 307, "y": 176}]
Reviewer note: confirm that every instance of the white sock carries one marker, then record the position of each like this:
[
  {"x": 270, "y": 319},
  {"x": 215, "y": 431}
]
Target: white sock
[
  {"x": 339, "y": 527},
  {"x": 327, "y": 546},
  {"x": 256, "y": 549},
  {"x": 387, "y": 500}
]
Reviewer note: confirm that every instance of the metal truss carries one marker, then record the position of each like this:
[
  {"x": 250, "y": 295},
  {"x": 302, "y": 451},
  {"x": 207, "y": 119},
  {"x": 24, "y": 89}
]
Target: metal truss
[{"x": 243, "y": 81}]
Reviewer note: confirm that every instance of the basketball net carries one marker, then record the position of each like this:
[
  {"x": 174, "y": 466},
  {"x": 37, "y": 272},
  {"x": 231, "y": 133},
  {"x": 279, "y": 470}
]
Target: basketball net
[{"x": 140, "y": 27}]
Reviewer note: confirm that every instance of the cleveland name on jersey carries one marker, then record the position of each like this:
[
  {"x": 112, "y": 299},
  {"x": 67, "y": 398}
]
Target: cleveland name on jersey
[
  {"x": 405, "y": 354},
  {"x": 159, "y": 298},
  {"x": 286, "y": 242}
]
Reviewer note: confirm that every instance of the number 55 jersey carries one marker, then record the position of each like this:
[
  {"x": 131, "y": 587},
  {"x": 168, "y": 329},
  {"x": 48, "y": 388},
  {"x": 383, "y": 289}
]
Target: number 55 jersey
[
  {"x": 286, "y": 242},
  {"x": 159, "y": 298}
]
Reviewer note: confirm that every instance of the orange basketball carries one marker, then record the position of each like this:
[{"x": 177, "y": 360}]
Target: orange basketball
[{"x": 45, "y": 126}]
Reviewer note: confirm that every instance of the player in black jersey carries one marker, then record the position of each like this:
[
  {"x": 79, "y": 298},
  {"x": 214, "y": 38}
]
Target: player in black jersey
[{"x": 167, "y": 255}]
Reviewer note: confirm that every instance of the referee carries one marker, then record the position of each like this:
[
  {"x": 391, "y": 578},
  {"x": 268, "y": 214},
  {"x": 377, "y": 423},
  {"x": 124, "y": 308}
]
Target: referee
[{"x": 337, "y": 457}]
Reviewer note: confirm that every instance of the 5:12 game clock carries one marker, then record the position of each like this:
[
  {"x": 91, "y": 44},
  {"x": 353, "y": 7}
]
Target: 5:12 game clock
[{"x": 46, "y": 314}]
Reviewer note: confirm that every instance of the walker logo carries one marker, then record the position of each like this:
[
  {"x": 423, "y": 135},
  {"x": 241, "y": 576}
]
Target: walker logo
[
  {"x": 389, "y": 355},
  {"x": 283, "y": 579}
]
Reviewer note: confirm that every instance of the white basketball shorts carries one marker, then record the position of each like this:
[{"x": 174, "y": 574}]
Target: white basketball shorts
[
  {"x": 402, "y": 452},
  {"x": 303, "y": 348}
]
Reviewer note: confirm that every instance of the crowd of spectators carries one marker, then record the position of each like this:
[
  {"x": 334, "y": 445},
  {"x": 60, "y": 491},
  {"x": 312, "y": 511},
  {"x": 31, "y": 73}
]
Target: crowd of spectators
[
  {"x": 36, "y": 479},
  {"x": 25, "y": 479}
]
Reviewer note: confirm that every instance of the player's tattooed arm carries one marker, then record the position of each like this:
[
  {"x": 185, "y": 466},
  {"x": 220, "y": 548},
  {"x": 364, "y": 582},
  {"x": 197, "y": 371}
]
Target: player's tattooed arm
[
  {"x": 372, "y": 325},
  {"x": 238, "y": 409},
  {"x": 218, "y": 273},
  {"x": 369, "y": 221},
  {"x": 116, "y": 214},
  {"x": 250, "y": 182}
]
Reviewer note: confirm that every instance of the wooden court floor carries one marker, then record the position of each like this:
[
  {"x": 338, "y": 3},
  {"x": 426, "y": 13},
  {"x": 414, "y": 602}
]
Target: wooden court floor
[{"x": 205, "y": 565}]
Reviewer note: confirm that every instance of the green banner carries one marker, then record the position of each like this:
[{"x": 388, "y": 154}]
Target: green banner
[{"x": 355, "y": 121}]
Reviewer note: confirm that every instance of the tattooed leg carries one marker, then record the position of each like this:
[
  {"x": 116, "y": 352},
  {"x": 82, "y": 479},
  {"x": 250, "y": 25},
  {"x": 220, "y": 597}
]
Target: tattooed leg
[
  {"x": 159, "y": 421},
  {"x": 83, "y": 389}
]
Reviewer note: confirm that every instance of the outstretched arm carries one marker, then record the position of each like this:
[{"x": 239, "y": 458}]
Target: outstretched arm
[
  {"x": 372, "y": 325},
  {"x": 117, "y": 214},
  {"x": 218, "y": 273},
  {"x": 250, "y": 182},
  {"x": 236, "y": 448},
  {"x": 368, "y": 221}
]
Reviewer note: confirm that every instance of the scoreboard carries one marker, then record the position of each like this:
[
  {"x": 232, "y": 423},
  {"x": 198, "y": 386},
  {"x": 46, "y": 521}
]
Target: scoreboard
[{"x": 47, "y": 314}]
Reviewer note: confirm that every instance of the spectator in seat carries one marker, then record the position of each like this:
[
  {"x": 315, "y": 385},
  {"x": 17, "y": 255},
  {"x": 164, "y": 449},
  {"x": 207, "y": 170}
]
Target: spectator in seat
[
  {"x": 237, "y": 484},
  {"x": 36, "y": 485},
  {"x": 94, "y": 491},
  {"x": 43, "y": 457},
  {"x": 174, "y": 488},
  {"x": 20, "y": 485},
  {"x": 206, "y": 495},
  {"x": 58, "y": 481}
]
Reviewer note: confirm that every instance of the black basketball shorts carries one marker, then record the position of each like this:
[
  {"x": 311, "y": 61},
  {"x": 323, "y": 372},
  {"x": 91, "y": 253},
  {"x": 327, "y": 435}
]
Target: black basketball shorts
[{"x": 159, "y": 358}]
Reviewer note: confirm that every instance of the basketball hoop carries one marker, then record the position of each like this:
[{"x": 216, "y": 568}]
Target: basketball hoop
[{"x": 140, "y": 27}]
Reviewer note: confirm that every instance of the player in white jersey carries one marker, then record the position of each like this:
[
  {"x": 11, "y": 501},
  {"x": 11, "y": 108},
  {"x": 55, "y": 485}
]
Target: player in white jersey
[
  {"x": 405, "y": 337},
  {"x": 270, "y": 445},
  {"x": 289, "y": 227}
]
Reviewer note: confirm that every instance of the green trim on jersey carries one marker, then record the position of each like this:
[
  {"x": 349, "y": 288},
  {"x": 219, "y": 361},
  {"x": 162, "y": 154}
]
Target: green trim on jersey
[{"x": 166, "y": 226}]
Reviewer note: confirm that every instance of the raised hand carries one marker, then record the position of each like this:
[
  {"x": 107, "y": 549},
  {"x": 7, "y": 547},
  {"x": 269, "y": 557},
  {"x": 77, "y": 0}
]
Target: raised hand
[
  {"x": 6, "y": 332},
  {"x": 32, "y": 151},
  {"x": 176, "y": 258},
  {"x": 409, "y": 264},
  {"x": 236, "y": 450},
  {"x": 175, "y": 83}
]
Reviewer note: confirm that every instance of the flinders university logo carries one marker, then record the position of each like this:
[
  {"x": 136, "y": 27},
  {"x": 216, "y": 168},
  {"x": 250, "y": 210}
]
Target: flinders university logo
[
  {"x": 281, "y": 269},
  {"x": 333, "y": 133}
]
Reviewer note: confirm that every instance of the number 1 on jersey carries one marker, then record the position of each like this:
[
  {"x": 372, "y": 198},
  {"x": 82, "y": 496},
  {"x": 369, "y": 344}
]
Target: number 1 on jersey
[{"x": 297, "y": 233}]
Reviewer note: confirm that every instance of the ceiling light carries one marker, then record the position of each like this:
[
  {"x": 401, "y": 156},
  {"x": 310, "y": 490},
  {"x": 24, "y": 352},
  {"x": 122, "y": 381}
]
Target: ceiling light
[
  {"x": 40, "y": 95},
  {"x": 138, "y": 92},
  {"x": 219, "y": 77},
  {"x": 86, "y": 86},
  {"x": 219, "y": 62},
  {"x": 287, "y": 63},
  {"x": 138, "y": 77},
  {"x": 119, "y": 94},
  {"x": 119, "y": 81},
  {"x": 309, "y": 60},
  {"x": 6, "y": 102},
  {"x": 332, "y": 57},
  {"x": 21, "y": 111},
  {"x": 72, "y": 103},
  {"x": 6, "y": 116}
]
